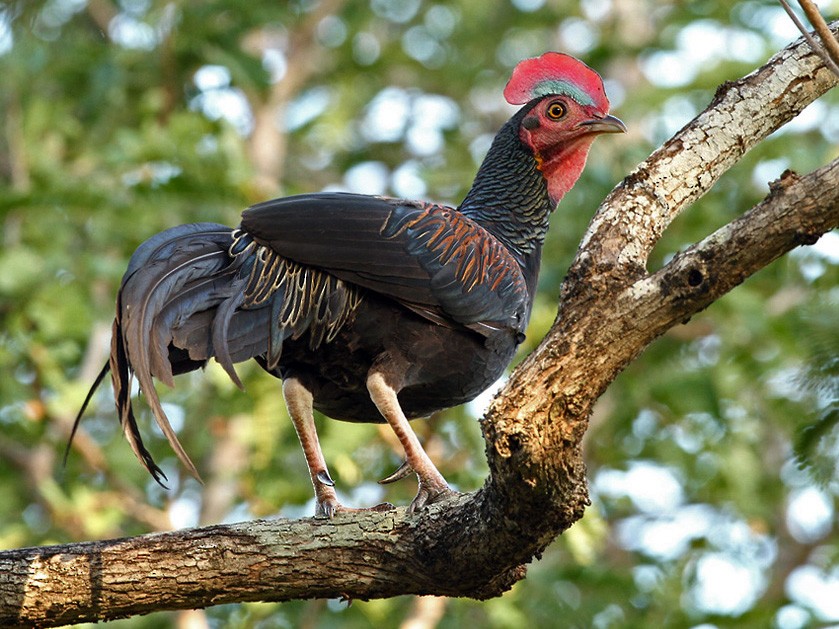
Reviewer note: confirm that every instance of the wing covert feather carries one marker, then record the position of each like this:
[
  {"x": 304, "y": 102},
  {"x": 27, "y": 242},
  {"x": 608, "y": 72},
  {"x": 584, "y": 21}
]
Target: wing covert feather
[{"x": 430, "y": 257}]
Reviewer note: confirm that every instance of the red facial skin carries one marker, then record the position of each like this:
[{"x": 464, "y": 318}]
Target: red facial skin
[{"x": 560, "y": 131}]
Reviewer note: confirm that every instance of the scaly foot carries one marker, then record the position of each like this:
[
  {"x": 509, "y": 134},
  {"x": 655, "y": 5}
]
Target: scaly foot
[
  {"x": 326, "y": 510},
  {"x": 431, "y": 490},
  {"x": 326, "y": 501}
]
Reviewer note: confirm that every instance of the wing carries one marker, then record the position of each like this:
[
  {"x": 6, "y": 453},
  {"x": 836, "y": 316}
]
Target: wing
[{"x": 431, "y": 258}]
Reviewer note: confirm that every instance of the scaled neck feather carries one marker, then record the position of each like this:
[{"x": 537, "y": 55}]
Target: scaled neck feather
[{"x": 509, "y": 197}]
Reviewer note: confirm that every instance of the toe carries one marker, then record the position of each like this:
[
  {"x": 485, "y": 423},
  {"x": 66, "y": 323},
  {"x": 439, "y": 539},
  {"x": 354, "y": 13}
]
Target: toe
[
  {"x": 429, "y": 495},
  {"x": 326, "y": 509}
]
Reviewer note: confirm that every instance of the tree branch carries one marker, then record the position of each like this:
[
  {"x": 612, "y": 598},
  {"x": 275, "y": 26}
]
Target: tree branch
[
  {"x": 743, "y": 113},
  {"x": 598, "y": 331},
  {"x": 610, "y": 310},
  {"x": 797, "y": 212},
  {"x": 821, "y": 27},
  {"x": 828, "y": 39}
]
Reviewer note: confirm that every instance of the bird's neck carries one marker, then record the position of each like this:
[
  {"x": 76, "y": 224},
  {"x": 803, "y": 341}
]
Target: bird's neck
[{"x": 510, "y": 196}]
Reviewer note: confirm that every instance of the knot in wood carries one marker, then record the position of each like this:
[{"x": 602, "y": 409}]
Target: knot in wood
[
  {"x": 787, "y": 178},
  {"x": 806, "y": 238},
  {"x": 508, "y": 444},
  {"x": 695, "y": 277},
  {"x": 564, "y": 415},
  {"x": 566, "y": 406}
]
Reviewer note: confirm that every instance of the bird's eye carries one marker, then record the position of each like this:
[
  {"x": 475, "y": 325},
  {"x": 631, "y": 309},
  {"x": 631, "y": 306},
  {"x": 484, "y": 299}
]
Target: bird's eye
[{"x": 556, "y": 110}]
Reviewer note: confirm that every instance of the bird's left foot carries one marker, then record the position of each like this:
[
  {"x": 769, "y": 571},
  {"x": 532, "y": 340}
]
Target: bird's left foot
[
  {"x": 327, "y": 511},
  {"x": 432, "y": 487},
  {"x": 430, "y": 491}
]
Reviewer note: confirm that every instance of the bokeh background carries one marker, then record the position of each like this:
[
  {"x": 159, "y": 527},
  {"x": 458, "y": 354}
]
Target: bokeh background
[{"x": 712, "y": 459}]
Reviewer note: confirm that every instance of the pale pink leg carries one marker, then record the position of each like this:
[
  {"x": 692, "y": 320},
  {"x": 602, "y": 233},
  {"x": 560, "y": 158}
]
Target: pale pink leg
[
  {"x": 432, "y": 485},
  {"x": 298, "y": 400}
]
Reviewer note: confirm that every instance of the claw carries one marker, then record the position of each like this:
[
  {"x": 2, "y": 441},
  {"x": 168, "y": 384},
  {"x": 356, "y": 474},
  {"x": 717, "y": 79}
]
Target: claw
[
  {"x": 382, "y": 507},
  {"x": 432, "y": 485},
  {"x": 326, "y": 509},
  {"x": 326, "y": 500},
  {"x": 404, "y": 470},
  {"x": 429, "y": 495}
]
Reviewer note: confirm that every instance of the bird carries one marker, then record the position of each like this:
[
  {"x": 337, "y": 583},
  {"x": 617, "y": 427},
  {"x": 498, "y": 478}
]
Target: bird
[{"x": 367, "y": 308}]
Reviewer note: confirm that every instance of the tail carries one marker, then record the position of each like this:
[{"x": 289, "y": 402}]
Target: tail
[
  {"x": 174, "y": 311},
  {"x": 202, "y": 291},
  {"x": 130, "y": 427},
  {"x": 99, "y": 378}
]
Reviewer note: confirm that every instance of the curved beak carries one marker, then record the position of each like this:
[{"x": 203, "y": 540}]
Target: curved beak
[{"x": 607, "y": 124}]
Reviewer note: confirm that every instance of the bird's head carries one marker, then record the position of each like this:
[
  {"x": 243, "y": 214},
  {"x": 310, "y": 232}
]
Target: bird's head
[{"x": 565, "y": 109}]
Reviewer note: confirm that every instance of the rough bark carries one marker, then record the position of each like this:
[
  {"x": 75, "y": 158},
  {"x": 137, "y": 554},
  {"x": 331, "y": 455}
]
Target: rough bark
[{"x": 477, "y": 544}]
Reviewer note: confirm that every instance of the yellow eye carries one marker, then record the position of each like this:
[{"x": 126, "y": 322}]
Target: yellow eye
[{"x": 556, "y": 110}]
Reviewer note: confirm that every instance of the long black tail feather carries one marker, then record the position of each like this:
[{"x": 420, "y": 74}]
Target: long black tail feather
[
  {"x": 121, "y": 377},
  {"x": 99, "y": 378},
  {"x": 202, "y": 291},
  {"x": 173, "y": 277},
  {"x": 221, "y": 328},
  {"x": 155, "y": 296}
]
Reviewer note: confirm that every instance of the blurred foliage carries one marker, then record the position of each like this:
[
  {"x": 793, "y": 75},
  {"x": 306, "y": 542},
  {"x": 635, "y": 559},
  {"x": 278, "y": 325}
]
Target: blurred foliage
[{"x": 713, "y": 457}]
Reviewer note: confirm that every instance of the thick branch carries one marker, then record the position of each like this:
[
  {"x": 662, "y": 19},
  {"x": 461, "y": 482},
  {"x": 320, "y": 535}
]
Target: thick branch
[
  {"x": 359, "y": 555},
  {"x": 597, "y": 331},
  {"x": 797, "y": 212},
  {"x": 636, "y": 213},
  {"x": 534, "y": 429},
  {"x": 475, "y": 544}
]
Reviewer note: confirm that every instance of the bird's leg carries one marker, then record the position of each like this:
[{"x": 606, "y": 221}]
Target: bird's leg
[
  {"x": 432, "y": 485},
  {"x": 298, "y": 400}
]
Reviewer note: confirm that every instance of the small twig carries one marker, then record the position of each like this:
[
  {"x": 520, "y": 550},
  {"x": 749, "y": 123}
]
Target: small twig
[
  {"x": 829, "y": 49},
  {"x": 829, "y": 41}
]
